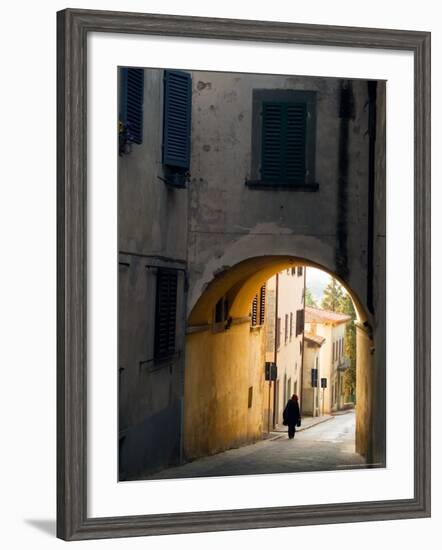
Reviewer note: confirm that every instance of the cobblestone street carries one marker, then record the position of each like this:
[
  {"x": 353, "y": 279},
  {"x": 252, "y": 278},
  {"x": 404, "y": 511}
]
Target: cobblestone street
[{"x": 326, "y": 446}]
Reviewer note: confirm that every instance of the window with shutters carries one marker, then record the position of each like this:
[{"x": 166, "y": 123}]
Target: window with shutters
[
  {"x": 314, "y": 378},
  {"x": 291, "y": 325},
  {"x": 131, "y": 99},
  {"x": 283, "y": 142},
  {"x": 165, "y": 313},
  {"x": 221, "y": 312},
  {"x": 177, "y": 111},
  {"x": 257, "y": 311},
  {"x": 254, "y": 313},
  {"x": 286, "y": 328},
  {"x": 283, "y": 139},
  {"x": 262, "y": 304},
  {"x": 299, "y": 321}
]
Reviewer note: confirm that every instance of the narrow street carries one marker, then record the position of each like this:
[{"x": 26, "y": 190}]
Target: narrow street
[{"x": 326, "y": 446}]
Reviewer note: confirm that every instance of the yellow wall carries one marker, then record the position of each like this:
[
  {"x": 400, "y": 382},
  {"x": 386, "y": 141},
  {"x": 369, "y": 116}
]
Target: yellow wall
[
  {"x": 220, "y": 368},
  {"x": 364, "y": 393}
]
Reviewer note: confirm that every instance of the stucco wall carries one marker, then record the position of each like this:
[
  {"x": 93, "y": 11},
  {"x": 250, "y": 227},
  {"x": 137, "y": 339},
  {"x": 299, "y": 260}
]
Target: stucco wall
[
  {"x": 151, "y": 234},
  {"x": 365, "y": 432},
  {"x": 152, "y": 218},
  {"x": 220, "y": 368},
  {"x": 229, "y": 221}
]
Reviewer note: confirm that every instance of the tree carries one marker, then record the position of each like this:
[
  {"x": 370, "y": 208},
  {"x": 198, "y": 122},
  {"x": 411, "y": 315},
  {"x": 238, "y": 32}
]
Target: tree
[
  {"x": 309, "y": 300},
  {"x": 333, "y": 296},
  {"x": 336, "y": 298},
  {"x": 346, "y": 307}
]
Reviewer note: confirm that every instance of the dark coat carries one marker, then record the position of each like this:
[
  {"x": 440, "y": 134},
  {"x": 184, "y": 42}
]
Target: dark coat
[{"x": 291, "y": 413}]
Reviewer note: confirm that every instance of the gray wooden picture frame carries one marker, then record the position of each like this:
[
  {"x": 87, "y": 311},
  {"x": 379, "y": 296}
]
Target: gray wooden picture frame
[{"x": 73, "y": 28}]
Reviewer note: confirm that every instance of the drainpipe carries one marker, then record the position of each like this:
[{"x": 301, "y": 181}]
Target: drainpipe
[
  {"x": 346, "y": 112},
  {"x": 275, "y": 352},
  {"x": 372, "y": 93}
]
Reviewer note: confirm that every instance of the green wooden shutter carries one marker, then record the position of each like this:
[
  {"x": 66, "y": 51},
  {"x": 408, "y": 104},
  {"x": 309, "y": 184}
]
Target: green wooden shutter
[
  {"x": 283, "y": 142},
  {"x": 131, "y": 103},
  {"x": 272, "y": 142},
  {"x": 295, "y": 142},
  {"x": 177, "y": 119}
]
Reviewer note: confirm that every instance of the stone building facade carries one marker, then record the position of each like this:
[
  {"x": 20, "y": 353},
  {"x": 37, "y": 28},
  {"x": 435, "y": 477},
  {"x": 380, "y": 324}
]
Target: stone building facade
[
  {"x": 285, "y": 340},
  {"x": 325, "y": 333}
]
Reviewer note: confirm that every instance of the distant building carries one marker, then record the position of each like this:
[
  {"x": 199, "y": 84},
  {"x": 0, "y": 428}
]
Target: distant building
[
  {"x": 284, "y": 340},
  {"x": 324, "y": 344},
  {"x": 311, "y": 394}
]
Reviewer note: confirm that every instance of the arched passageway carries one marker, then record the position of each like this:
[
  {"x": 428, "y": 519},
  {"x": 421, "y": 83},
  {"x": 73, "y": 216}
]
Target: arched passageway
[{"x": 225, "y": 397}]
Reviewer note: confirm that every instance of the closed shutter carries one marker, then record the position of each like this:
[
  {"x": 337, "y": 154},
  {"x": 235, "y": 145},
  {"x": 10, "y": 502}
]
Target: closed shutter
[
  {"x": 131, "y": 103},
  {"x": 295, "y": 145},
  {"x": 255, "y": 310},
  {"x": 177, "y": 119},
  {"x": 262, "y": 304},
  {"x": 299, "y": 321},
  {"x": 283, "y": 142},
  {"x": 165, "y": 317}
]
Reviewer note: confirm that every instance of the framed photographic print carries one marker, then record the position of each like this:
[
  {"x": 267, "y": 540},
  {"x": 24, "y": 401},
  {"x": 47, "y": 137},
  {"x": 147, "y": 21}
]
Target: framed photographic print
[{"x": 243, "y": 274}]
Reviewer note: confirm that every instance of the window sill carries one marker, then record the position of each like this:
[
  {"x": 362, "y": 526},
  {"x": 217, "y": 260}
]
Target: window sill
[
  {"x": 172, "y": 181},
  {"x": 259, "y": 184},
  {"x": 156, "y": 363}
]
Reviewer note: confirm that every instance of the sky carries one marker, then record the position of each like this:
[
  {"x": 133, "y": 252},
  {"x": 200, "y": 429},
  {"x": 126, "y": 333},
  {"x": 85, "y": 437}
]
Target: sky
[{"x": 316, "y": 281}]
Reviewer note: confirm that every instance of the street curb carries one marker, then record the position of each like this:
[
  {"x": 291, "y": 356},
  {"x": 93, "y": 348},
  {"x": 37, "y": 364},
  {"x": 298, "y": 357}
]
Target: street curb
[
  {"x": 280, "y": 435},
  {"x": 301, "y": 429},
  {"x": 275, "y": 437}
]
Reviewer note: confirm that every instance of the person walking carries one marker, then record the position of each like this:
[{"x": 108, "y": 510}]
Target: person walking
[{"x": 292, "y": 415}]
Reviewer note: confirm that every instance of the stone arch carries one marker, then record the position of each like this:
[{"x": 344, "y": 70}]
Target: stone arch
[
  {"x": 271, "y": 240},
  {"x": 242, "y": 281},
  {"x": 212, "y": 358}
]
